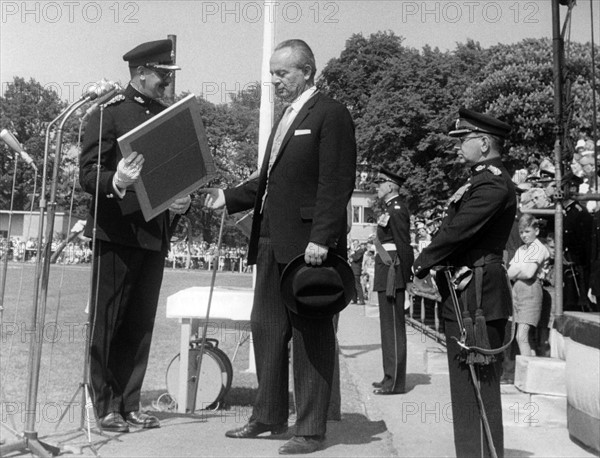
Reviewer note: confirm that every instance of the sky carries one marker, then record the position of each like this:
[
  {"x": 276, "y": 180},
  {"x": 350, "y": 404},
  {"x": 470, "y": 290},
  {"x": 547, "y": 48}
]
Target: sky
[{"x": 68, "y": 45}]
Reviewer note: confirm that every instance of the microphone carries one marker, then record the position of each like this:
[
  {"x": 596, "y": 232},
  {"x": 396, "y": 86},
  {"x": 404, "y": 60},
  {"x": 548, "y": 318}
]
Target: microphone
[
  {"x": 14, "y": 144},
  {"x": 102, "y": 97},
  {"x": 99, "y": 88}
]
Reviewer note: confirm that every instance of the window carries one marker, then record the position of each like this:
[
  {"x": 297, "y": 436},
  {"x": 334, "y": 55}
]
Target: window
[{"x": 356, "y": 214}]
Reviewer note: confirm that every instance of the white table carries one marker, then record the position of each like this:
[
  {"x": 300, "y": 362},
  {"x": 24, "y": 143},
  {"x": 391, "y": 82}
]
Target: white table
[{"x": 230, "y": 309}]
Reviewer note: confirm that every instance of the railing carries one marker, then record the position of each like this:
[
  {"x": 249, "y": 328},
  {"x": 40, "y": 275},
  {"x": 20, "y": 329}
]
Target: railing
[{"x": 424, "y": 315}]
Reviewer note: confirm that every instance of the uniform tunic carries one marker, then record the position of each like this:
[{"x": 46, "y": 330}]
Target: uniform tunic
[
  {"x": 393, "y": 231},
  {"x": 474, "y": 234},
  {"x": 128, "y": 260}
]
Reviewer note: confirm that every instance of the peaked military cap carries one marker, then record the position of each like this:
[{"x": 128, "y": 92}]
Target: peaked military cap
[
  {"x": 152, "y": 54},
  {"x": 470, "y": 121},
  {"x": 386, "y": 175}
]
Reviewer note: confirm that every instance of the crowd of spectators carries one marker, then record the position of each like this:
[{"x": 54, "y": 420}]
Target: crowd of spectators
[
  {"x": 536, "y": 182},
  {"x": 74, "y": 252},
  {"x": 202, "y": 255}
]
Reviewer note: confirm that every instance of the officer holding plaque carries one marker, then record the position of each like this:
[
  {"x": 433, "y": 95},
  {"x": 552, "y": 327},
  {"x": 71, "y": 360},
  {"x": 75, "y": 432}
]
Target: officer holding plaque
[{"x": 129, "y": 252}]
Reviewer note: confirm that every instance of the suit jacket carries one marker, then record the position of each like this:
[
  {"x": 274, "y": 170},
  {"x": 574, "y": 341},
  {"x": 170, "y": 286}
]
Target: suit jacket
[
  {"x": 356, "y": 260},
  {"x": 479, "y": 219},
  {"x": 119, "y": 220},
  {"x": 394, "y": 227},
  {"x": 310, "y": 183}
]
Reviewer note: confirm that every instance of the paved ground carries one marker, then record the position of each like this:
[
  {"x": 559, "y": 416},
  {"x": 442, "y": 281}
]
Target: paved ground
[{"x": 416, "y": 424}]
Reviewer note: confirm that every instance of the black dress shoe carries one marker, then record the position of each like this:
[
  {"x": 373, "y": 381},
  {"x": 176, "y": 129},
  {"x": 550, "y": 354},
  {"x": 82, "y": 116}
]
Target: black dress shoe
[
  {"x": 139, "y": 419},
  {"x": 301, "y": 445},
  {"x": 377, "y": 384},
  {"x": 114, "y": 423},
  {"x": 253, "y": 428},
  {"x": 384, "y": 391}
]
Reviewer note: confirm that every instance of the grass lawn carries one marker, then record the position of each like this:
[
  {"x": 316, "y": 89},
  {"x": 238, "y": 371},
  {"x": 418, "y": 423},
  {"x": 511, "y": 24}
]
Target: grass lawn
[{"x": 61, "y": 368}]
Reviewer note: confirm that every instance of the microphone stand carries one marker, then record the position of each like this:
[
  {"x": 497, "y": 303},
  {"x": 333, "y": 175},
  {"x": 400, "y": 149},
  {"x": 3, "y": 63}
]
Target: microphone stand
[
  {"x": 86, "y": 397},
  {"x": 30, "y": 441},
  {"x": 5, "y": 261},
  {"x": 8, "y": 231}
]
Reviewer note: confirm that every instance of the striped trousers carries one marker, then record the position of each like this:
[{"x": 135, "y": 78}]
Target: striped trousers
[{"x": 313, "y": 347}]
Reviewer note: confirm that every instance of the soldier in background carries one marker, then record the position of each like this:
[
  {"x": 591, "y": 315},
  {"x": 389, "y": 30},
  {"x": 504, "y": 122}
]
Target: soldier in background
[
  {"x": 392, "y": 273},
  {"x": 355, "y": 256}
]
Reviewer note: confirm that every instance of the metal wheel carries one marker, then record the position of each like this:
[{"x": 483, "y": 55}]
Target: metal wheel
[{"x": 215, "y": 377}]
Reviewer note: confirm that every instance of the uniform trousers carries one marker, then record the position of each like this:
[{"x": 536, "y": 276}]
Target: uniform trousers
[
  {"x": 128, "y": 284},
  {"x": 393, "y": 340},
  {"x": 469, "y": 436},
  {"x": 313, "y": 354}
]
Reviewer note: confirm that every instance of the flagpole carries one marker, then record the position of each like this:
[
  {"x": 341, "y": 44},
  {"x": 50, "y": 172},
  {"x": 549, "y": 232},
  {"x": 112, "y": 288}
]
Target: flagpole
[
  {"x": 266, "y": 114},
  {"x": 266, "y": 93}
]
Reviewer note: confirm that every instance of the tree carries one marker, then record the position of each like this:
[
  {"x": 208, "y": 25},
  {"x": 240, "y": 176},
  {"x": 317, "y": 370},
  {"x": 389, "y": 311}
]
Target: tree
[
  {"x": 351, "y": 77},
  {"x": 403, "y": 101},
  {"x": 25, "y": 109}
]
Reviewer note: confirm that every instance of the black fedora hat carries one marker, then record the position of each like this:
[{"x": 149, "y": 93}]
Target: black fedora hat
[{"x": 317, "y": 291}]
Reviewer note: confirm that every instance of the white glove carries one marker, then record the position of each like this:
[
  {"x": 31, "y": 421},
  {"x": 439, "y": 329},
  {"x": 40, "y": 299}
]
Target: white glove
[
  {"x": 79, "y": 226},
  {"x": 128, "y": 170},
  {"x": 180, "y": 205}
]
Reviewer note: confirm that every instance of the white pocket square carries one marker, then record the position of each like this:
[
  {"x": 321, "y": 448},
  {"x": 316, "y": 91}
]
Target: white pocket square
[{"x": 301, "y": 132}]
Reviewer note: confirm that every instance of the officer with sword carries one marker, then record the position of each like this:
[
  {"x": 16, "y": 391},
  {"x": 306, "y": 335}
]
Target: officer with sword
[{"x": 475, "y": 291}]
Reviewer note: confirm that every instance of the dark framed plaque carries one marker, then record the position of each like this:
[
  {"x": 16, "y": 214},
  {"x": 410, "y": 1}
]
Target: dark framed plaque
[{"x": 177, "y": 160}]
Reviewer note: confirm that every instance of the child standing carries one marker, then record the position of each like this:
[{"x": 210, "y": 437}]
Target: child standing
[{"x": 524, "y": 270}]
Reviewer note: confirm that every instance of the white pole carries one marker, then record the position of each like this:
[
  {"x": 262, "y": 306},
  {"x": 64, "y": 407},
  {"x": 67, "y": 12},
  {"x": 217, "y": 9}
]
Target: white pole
[
  {"x": 267, "y": 103},
  {"x": 267, "y": 93}
]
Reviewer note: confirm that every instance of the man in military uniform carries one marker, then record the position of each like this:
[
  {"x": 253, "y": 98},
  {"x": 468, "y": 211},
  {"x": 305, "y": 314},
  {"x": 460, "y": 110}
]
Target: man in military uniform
[
  {"x": 129, "y": 252},
  {"x": 392, "y": 272},
  {"x": 474, "y": 234}
]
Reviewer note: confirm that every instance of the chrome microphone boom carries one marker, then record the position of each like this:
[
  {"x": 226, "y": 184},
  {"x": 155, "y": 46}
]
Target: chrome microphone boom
[{"x": 14, "y": 144}]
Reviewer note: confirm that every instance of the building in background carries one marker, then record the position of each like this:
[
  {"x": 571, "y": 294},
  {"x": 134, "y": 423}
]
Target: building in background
[{"x": 363, "y": 216}]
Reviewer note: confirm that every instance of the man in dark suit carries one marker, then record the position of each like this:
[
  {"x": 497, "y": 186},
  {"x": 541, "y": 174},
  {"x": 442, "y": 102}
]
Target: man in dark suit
[
  {"x": 299, "y": 200},
  {"x": 473, "y": 234},
  {"x": 356, "y": 256},
  {"x": 393, "y": 264},
  {"x": 129, "y": 252}
]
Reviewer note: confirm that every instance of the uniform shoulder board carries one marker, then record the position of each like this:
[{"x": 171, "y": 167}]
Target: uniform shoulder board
[
  {"x": 495, "y": 170},
  {"x": 115, "y": 99}
]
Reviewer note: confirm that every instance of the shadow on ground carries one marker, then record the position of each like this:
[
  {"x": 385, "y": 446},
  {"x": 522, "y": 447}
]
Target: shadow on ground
[
  {"x": 353, "y": 351},
  {"x": 354, "y": 429}
]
